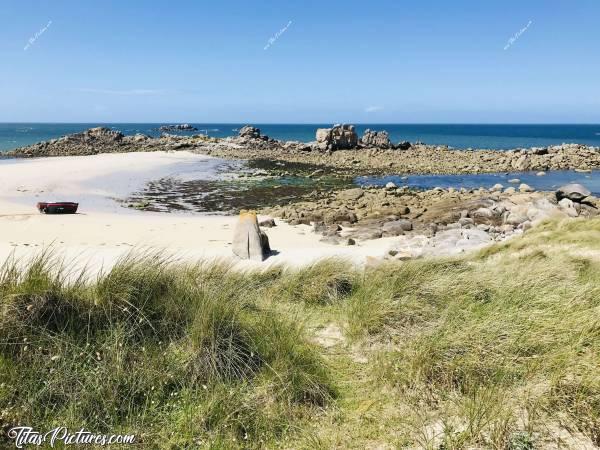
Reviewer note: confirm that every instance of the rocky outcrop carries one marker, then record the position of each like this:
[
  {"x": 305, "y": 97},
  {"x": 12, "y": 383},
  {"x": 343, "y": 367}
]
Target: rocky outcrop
[
  {"x": 180, "y": 127},
  {"x": 449, "y": 242},
  {"x": 85, "y": 143},
  {"x": 372, "y": 213},
  {"x": 574, "y": 192},
  {"x": 249, "y": 132},
  {"x": 337, "y": 138},
  {"x": 249, "y": 242},
  {"x": 378, "y": 139},
  {"x": 252, "y": 145}
]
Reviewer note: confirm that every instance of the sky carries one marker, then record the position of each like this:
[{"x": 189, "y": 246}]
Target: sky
[{"x": 381, "y": 61}]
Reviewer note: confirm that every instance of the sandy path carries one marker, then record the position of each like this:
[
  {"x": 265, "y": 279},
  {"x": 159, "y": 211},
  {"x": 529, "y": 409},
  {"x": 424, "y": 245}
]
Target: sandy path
[{"x": 104, "y": 230}]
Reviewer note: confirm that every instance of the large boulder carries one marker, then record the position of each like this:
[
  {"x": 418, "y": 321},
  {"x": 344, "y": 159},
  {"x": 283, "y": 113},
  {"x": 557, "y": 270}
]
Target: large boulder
[
  {"x": 574, "y": 191},
  {"x": 379, "y": 139},
  {"x": 351, "y": 194},
  {"x": 337, "y": 138},
  {"x": 457, "y": 241},
  {"x": 249, "y": 132},
  {"x": 249, "y": 242},
  {"x": 396, "y": 227},
  {"x": 98, "y": 135}
]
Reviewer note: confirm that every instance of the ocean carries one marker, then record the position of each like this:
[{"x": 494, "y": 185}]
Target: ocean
[{"x": 501, "y": 137}]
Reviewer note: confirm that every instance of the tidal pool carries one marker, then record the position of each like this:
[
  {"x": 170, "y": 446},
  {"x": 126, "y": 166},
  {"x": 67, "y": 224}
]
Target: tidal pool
[{"x": 548, "y": 182}]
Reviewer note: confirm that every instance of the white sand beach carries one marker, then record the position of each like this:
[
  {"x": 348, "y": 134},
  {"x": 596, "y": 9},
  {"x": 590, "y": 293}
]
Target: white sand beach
[{"x": 104, "y": 230}]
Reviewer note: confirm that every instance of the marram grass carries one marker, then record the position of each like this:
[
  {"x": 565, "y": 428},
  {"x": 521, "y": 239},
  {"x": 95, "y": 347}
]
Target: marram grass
[
  {"x": 499, "y": 350},
  {"x": 177, "y": 355}
]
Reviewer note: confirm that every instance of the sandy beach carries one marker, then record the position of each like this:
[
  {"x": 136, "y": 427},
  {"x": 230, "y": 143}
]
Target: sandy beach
[{"x": 104, "y": 230}]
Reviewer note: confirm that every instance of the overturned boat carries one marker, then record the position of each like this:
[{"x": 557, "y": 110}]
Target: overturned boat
[{"x": 57, "y": 207}]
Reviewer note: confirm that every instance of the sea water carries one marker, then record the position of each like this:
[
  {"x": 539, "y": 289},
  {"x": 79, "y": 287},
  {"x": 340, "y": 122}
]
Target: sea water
[
  {"x": 501, "y": 137},
  {"x": 548, "y": 182}
]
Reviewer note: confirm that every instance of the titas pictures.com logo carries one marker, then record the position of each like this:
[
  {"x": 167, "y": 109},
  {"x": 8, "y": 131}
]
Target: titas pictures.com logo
[{"x": 27, "y": 436}]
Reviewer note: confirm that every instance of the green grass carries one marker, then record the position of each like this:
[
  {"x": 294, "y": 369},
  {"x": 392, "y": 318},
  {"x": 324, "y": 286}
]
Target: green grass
[
  {"x": 174, "y": 354},
  {"x": 499, "y": 349}
]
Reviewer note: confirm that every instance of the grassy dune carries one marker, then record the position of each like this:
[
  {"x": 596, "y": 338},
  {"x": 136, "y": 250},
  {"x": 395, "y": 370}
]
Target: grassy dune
[{"x": 499, "y": 349}]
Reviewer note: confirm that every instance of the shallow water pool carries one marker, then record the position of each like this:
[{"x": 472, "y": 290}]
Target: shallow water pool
[{"x": 548, "y": 182}]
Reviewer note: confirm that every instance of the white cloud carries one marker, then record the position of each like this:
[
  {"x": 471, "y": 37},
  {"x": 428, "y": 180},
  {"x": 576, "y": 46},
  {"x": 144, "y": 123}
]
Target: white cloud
[
  {"x": 122, "y": 92},
  {"x": 370, "y": 109}
]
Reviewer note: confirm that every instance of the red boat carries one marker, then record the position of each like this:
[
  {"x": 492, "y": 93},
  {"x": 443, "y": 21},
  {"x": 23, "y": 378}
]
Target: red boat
[{"x": 57, "y": 207}]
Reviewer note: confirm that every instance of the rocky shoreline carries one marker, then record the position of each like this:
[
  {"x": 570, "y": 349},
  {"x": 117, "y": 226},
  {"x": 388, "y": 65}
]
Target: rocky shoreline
[
  {"x": 435, "y": 221},
  {"x": 338, "y": 148},
  {"x": 433, "y": 218}
]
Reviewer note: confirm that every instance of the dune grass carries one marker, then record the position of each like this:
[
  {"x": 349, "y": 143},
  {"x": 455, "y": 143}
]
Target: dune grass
[
  {"x": 500, "y": 349},
  {"x": 177, "y": 355}
]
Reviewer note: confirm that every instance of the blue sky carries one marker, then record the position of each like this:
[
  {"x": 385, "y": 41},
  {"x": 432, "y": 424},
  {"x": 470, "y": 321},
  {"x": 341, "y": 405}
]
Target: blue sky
[{"x": 337, "y": 61}]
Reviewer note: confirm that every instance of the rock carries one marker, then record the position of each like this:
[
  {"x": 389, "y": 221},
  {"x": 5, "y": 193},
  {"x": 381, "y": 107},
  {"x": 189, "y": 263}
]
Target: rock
[
  {"x": 483, "y": 213},
  {"x": 404, "y": 145},
  {"x": 139, "y": 137},
  {"x": 400, "y": 255},
  {"x": 591, "y": 201},
  {"x": 565, "y": 203},
  {"x": 341, "y": 215},
  {"x": 249, "y": 132},
  {"x": 366, "y": 234},
  {"x": 541, "y": 174},
  {"x": 267, "y": 223},
  {"x": 522, "y": 163},
  {"x": 390, "y": 185},
  {"x": 497, "y": 187},
  {"x": 333, "y": 240},
  {"x": 510, "y": 190},
  {"x": 396, "y": 227},
  {"x": 498, "y": 209},
  {"x": 508, "y": 228},
  {"x": 350, "y": 241},
  {"x": 100, "y": 134},
  {"x": 379, "y": 139},
  {"x": 180, "y": 127},
  {"x": 540, "y": 210},
  {"x": 456, "y": 241},
  {"x": 514, "y": 181},
  {"x": 249, "y": 242},
  {"x": 525, "y": 188},
  {"x": 323, "y": 136},
  {"x": 350, "y": 194},
  {"x": 516, "y": 217},
  {"x": 568, "y": 207},
  {"x": 337, "y": 138},
  {"x": 574, "y": 191},
  {"x": 466, "y": 221}
]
